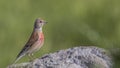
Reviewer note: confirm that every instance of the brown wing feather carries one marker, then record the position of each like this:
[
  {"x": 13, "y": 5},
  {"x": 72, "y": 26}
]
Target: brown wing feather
[{"x": 33, "y": 38}]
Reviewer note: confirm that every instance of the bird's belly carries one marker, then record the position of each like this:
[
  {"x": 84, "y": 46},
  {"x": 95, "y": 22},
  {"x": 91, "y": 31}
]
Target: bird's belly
[{"x": 36, "y": 46}]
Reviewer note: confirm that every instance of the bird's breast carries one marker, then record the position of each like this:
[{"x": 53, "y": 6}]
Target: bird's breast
[
  {"x": 38, "y": 44},
  {"x": 41, "y": 37}
]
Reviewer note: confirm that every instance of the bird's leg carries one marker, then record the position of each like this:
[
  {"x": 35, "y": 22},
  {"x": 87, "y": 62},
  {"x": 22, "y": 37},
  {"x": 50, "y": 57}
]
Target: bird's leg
[{"x": 30, "y": 57}]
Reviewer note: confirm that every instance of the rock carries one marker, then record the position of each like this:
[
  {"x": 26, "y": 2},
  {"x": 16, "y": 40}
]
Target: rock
[{"x": 77, "y": 57}]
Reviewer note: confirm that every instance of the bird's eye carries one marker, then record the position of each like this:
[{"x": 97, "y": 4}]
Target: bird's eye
[{"x": 40, "y": 21}]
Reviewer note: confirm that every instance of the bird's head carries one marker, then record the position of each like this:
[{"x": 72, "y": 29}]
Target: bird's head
[{"x": 39, "y": 23}]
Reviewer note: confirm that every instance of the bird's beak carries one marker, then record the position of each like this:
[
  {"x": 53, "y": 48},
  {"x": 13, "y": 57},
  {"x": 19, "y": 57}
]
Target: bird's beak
[{"x": 46, "y": 22}]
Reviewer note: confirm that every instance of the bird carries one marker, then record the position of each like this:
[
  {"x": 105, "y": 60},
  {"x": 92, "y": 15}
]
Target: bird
[{"x": 35, "y": 41}]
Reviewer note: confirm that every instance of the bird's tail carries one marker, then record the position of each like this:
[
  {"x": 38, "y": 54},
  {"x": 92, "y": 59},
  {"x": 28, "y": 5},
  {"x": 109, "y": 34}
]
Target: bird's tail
[{"x": 18, "y": 58}]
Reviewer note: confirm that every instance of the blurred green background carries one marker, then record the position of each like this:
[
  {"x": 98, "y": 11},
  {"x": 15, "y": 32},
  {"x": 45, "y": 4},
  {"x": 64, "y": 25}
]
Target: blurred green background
[{"x": 70, "y": 23}]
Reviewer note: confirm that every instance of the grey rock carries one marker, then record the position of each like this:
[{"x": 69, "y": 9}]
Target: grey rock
[{"x": 77, "y": 57}]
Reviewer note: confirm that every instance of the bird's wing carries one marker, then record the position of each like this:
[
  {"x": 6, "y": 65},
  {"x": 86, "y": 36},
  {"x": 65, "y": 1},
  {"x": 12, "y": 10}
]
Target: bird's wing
[{"x": 33, "y": 38}]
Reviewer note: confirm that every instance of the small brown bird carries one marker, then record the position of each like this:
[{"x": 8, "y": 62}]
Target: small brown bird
[{"x": 35, "y": 41}]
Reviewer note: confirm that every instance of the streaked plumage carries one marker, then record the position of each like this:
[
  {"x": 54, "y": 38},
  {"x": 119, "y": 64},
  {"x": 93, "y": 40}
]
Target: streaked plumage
[{"x": 35, "y": 41}]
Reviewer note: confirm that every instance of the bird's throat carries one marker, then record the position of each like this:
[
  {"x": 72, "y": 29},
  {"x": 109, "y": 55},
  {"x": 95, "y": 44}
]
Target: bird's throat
[{"x": 38, "y": 29}]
